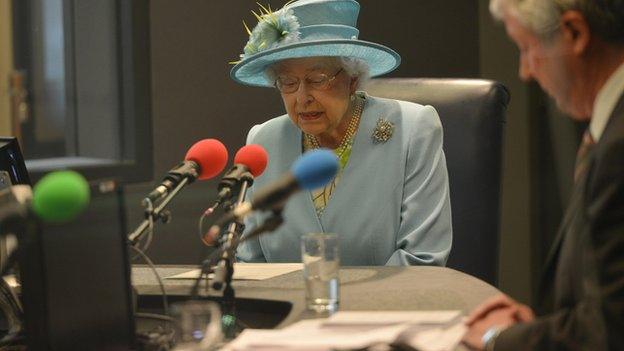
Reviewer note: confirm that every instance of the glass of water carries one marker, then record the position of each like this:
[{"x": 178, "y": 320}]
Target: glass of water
[
  {"x": 319, "y": 253},
  {"x": 198, "y": 325}
]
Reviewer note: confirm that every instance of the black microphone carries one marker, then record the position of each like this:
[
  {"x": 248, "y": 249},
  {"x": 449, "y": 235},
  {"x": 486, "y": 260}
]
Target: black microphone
[
  {"x": 249, "y": 162},
  {"x": 204, "y": 160},
  {"x": 312, "y": 170},
  {"x": 186, "y": 169}
]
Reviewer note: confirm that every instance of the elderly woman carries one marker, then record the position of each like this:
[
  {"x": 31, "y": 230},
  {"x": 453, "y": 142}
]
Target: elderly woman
[{"x": 389, "y": 204}]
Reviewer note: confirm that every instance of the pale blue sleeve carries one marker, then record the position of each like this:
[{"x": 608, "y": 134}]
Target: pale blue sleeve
[
  {"x": 250, "y": 250},
  {"x": 425, "y": 231}
]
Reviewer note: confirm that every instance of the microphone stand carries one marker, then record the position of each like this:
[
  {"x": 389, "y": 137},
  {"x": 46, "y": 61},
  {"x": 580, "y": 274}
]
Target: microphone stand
[
  {"x": 224, "y": 268},
  {"x": 232, "y": 326},
  {"x": 224, "y": 271},
  {"x": 155, "y": 214},
  {"x": 270, "y": 224}
]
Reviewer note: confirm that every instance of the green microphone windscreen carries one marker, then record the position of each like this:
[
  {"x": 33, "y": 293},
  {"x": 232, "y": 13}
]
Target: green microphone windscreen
[{"x": 60, "y": 196}]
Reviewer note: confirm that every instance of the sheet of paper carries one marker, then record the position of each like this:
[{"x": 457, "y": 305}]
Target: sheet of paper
[
  {"x": 392, "y": 317},
  {"x": 312, "y": 335},
  {"x": 250, "y": 271},
  {"x": 435, "y": 339},
  {"x": 426, "y": 331}
]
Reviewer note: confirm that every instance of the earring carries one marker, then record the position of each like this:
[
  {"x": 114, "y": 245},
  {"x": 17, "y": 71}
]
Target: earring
[{"x": 352, "y": 97}]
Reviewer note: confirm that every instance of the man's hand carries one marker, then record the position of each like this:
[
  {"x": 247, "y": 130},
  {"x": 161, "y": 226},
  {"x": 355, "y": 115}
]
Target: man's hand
[
  {"x": 500, "y": 311},
  {"x": 524, "y": 313}
]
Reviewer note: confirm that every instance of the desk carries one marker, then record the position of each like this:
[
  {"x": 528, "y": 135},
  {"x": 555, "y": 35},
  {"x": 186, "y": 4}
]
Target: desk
[{"x": 361, "y": 288}]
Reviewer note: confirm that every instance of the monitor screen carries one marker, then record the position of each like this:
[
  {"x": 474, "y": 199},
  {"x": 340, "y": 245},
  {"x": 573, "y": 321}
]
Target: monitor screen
[
  {"x": 12, "y": 172},
  {"x": 12, "y": 167},
  {"x": 75, "y": 277},
  {"x": 75, "y": 280}
]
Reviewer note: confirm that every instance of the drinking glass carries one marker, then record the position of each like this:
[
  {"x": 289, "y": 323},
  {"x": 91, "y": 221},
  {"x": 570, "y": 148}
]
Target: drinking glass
[
  {"x": 198, "y": 325},
  {"x": 321, "y": 263}
]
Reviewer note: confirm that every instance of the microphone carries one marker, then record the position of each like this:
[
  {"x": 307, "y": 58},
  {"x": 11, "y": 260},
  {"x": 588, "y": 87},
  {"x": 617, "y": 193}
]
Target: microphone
[
  {"x": 249, "y": 162},
  {"x": 61, "y": 196},
  {"x": 310, "y": 171},
  {"x": 58, "y": 197},
  {"x": 204, "y": 160}
]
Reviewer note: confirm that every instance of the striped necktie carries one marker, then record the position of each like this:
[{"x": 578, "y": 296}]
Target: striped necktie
[{"x": 581, "y": 156}]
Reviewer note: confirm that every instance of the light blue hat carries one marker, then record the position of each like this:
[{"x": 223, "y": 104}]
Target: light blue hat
[{"x": 308, "y": 28}]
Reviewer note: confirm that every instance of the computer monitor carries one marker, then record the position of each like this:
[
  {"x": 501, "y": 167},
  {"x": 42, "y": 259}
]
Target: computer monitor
[
  {"x": 12, "y": 168},
  {"x": 75, "y": 280},
  {"x": 12, "y": 172}
]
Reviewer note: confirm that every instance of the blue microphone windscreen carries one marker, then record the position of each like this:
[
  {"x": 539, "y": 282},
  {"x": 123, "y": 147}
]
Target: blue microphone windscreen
[{"x": 314, "y": 169}]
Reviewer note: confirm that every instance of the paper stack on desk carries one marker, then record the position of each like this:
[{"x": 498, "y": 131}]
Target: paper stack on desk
[
  {"x": 250, "y": 271},
  {"x": 426, "y": 331}
]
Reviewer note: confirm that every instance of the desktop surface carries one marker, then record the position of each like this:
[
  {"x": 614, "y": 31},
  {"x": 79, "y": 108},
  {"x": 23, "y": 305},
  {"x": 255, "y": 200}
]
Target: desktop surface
[{"x": 361, "y": 288}]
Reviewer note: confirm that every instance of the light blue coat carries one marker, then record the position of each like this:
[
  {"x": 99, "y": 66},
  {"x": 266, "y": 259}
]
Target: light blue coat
[{"x": 391, "y": 205}]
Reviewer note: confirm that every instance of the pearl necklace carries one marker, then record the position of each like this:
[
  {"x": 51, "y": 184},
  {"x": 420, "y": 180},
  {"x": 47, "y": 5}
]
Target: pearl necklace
[{"x": 313, "y": 143}]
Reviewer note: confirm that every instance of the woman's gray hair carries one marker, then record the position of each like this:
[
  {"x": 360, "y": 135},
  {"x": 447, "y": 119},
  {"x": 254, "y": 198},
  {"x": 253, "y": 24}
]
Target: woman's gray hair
[
  {"x": 605, "y": 17},
  {"x": 355, "y": 68}
]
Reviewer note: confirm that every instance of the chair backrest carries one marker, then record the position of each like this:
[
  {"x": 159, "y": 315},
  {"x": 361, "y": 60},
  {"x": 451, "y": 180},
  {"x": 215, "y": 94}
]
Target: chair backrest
[{"x": 473, "y": 114}]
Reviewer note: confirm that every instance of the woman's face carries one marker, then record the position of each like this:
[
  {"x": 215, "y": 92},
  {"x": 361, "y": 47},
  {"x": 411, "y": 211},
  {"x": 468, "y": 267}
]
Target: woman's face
[{"x": 316, "y": 111}]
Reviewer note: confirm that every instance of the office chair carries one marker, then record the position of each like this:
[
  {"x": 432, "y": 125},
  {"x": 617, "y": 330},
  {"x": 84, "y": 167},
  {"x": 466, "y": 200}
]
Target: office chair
[{"x": 472, "y": 112}]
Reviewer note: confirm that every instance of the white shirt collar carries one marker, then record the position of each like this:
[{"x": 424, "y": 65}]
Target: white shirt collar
[{"x": 605, "y": 102}]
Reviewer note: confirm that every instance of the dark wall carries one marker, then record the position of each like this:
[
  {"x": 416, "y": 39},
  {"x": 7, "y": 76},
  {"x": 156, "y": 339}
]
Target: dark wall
[
  {"x": 434, "y": 38},
  {"x": 194, "y": 98}
]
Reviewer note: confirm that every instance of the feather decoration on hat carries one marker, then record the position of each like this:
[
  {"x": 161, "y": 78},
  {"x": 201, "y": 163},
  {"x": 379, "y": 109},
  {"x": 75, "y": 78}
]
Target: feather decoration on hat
[{"x": 274, "y": 28}]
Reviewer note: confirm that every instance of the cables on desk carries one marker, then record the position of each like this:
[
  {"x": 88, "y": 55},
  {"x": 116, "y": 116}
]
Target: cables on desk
[
  {"x": 158, "y": 339},
  {"x": 160, "y": 282}
]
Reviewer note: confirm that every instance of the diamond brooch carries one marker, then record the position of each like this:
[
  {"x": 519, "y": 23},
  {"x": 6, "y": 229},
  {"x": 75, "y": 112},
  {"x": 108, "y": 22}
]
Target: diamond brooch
[{"x": 383, "y": 131}]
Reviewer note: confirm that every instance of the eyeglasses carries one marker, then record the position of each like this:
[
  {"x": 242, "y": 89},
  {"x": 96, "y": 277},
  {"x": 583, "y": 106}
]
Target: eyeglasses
[{"x": 316, "y": 81}]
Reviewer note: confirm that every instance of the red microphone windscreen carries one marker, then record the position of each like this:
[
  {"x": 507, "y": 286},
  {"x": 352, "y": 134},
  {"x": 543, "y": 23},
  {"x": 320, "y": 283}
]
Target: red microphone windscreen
[
  {"x": 211, "y": 156},
  {"x": 254, "y": 157}
]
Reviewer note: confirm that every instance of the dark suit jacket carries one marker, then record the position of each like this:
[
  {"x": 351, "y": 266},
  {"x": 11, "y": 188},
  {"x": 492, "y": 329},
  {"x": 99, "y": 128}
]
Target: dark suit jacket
[{"x": 585, "y": 268}]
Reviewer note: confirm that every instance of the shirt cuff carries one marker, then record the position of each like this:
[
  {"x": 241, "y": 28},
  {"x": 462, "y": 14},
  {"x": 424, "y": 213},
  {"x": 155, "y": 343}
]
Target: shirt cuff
[{"x": 489, "y": 337}]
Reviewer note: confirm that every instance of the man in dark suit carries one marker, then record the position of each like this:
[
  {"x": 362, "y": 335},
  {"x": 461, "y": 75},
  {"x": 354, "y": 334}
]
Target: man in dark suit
[{"x": 575, "y": 50}]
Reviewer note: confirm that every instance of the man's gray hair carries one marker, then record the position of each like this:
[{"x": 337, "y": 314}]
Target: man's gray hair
[{"x": 605, "y": 17}]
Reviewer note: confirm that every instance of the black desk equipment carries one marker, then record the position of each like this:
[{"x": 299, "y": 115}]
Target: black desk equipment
[
  {"x": 12, "y": 167},
  {"x": 75, "y": 280}
]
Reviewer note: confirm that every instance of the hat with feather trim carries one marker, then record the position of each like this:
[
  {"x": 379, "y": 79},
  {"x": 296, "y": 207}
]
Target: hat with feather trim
[{"x": 308, "y": 28}]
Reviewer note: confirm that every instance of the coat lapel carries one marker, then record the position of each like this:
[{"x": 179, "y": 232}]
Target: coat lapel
[
  {"x": 550, "y": 266},
  {"x": 293, "y": 149}
]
